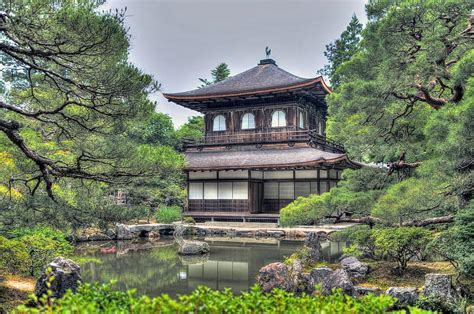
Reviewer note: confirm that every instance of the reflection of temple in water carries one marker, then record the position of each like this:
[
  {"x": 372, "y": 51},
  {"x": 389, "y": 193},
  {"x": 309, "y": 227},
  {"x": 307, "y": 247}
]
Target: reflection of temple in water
[
  {"x": 232, "y": 263},
  {"x": 235, "y": 265}
]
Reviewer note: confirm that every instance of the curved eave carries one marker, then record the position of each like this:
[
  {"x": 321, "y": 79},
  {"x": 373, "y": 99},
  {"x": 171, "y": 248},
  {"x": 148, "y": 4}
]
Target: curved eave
[
  {"x": 327, "y": 89},
  {"x": 313, "y": 163}
]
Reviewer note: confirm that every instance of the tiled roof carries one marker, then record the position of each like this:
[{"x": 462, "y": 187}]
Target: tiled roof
[
  {"x": 261, "y": 158},
  {"x": 263, "y": 78}
]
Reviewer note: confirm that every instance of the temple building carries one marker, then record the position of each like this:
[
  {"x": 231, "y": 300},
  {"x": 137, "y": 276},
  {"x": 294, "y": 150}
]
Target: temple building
[{"x": 264, "y": 145}]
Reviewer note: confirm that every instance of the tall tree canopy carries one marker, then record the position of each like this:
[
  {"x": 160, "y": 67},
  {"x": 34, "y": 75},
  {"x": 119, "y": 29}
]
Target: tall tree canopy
[
  {"x": 405, "y": 100},
  {"x": 341, "y": 50},
  {"x": 219, "y": 73},
  {"x": 69, "y": 103}
]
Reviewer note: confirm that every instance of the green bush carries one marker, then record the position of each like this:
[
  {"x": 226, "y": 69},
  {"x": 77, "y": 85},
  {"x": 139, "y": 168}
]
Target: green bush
[
  {"x": 360, "y": 239},
  {"x": 13, "y": 256},
  {"x": 302, "y": 211},
  {"x": 401, "y": 244},
  {"x": 168, "y": 214},
  {"x": 97, "y": 298},
  {"x": 30, "y": 249}
]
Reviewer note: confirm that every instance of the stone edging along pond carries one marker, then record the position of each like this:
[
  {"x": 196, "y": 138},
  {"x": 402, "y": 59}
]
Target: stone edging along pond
[{"x": 130, "y": 232}]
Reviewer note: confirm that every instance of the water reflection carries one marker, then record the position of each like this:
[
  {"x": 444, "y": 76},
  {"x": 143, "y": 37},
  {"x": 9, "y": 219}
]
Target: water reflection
[{"x": 154, "y": 267}]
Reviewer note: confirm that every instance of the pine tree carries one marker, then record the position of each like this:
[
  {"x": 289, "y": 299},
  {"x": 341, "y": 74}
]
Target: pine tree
[
  {"x": 341, "y": 50},
  {"x": 219, "y": 73}
]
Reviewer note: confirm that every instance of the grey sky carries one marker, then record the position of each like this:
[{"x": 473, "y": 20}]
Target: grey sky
[{"x": 178, "y": 41}]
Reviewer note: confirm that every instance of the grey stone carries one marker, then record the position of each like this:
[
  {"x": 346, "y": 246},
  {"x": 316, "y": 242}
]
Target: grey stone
[
  {"x": 319, "y": 275},
  {"x": 354, "y": 267},
  {"x": 313, "y": 242},
  {"x": 276, "y": 233},
  {"x": 439, "y": 286},
  {"x": 404, "y": 296},
  {"x": 123, "y": 232},
  {"x": 193, "y": 248},
  {"x": 274, "y": 275},
  {"x": 338, "y": 279},
  {"x": 67, "y": 276}
]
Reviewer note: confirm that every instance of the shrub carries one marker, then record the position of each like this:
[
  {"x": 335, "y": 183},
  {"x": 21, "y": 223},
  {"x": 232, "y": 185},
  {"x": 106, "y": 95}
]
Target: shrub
[
  {"x": 456, "y": 244},
  {"x": 304, "y": 210},
  {"x": 97, "y": 298},
  {"x": 361, "y": 240},
  {"x": 13, "y": 256},
  {"x": 401, "y": 244},
  {"x": 168, "y": 214},
  {"x": 32, "y": 248}
]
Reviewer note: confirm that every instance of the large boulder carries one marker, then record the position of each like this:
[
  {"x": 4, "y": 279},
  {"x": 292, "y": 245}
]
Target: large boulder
[
  {"x": 320, "y": 275},
  {"x": 188, "y": 247},
  {"x": 274, "y": 275},
  {"x": 438, "y": 286},
  {"x": 404, "y": 296},
  {"x": 338, "y": 279},
  {"x": 354, "y": 267},
  {"x": 63, "y": 274}
]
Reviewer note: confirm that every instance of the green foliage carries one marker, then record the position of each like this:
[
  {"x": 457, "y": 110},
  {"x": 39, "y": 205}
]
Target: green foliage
[
  {"x": 401, "y": 244},
  {"x": 83, "y": 116},
  {"x": 456, "y": 306},
  {"x": 157, "y": 128},
  {"x": 304, "y": 210},
  {"x": 456, "y": 244},
  {"x": 412, "y": 199},
  {"x": 341, "y": 51},
  {"x": 219, "y": 73},
  {"x": 361, "y": 240},
  {"x": 30, "y": 249},
  {"x": 191, "y": 130},
  {"x": 356, "y": 193},
  {"x": 13, "y": 255},
  {"x": 168, "y": 214},
  {"x": 102, "y": 299}
]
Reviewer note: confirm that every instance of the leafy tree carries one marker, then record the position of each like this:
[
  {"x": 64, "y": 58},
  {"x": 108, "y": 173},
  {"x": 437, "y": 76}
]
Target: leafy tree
[
  {"x": 68, "y": 107},
  {"x": 401, "y": 244},
  {"x": 156, "y": 129},
  {"x": 191, "y": 130},
  {"x": 72, "y": 88},
  {"x": 219, "y": 73},
  {"x": 341, "y": 50}
]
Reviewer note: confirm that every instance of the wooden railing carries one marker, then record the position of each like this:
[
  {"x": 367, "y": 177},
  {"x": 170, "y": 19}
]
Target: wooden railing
[{"x": 266, "y": 136}]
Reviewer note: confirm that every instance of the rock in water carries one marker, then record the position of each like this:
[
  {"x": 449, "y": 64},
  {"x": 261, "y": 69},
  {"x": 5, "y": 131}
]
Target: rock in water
[
  {"x": 313, "y": 242},
  {"x": 193, "y": 248},
  {"x": 67, "y": 276},
  {"x": 438, "y": 286},
  {"x": 274, "y": 275},
  {"x": 338, "y": 279},
  {"x": 354, "y": 267},
  {"x": 404, "y": 296},
  {"x": 123, "y": 232}
]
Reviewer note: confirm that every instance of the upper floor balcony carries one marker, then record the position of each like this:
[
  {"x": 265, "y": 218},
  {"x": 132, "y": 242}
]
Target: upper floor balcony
[{"x": 258, "y": 137}]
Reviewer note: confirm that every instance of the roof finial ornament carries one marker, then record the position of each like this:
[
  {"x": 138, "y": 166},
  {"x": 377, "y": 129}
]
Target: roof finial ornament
[{"x": 268, "y": 52}]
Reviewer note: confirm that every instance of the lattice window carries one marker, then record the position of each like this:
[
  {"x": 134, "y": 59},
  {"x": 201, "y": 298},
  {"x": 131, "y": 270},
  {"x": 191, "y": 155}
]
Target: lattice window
[
  {"x": 219, "y": 123},
  {"x": 278, "y": 119},
  {"x": 248, "y": 121}
]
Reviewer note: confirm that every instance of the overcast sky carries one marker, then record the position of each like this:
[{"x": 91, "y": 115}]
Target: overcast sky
[{"x": 178, "y": 41}]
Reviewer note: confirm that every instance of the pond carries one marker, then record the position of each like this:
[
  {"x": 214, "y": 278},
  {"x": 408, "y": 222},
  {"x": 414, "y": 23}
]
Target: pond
[{"x": 154, "y": 267}]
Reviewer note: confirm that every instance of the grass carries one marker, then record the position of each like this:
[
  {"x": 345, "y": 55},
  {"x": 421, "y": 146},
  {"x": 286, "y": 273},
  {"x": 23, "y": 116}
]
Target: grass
[{"x": 384, "y": 274}]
